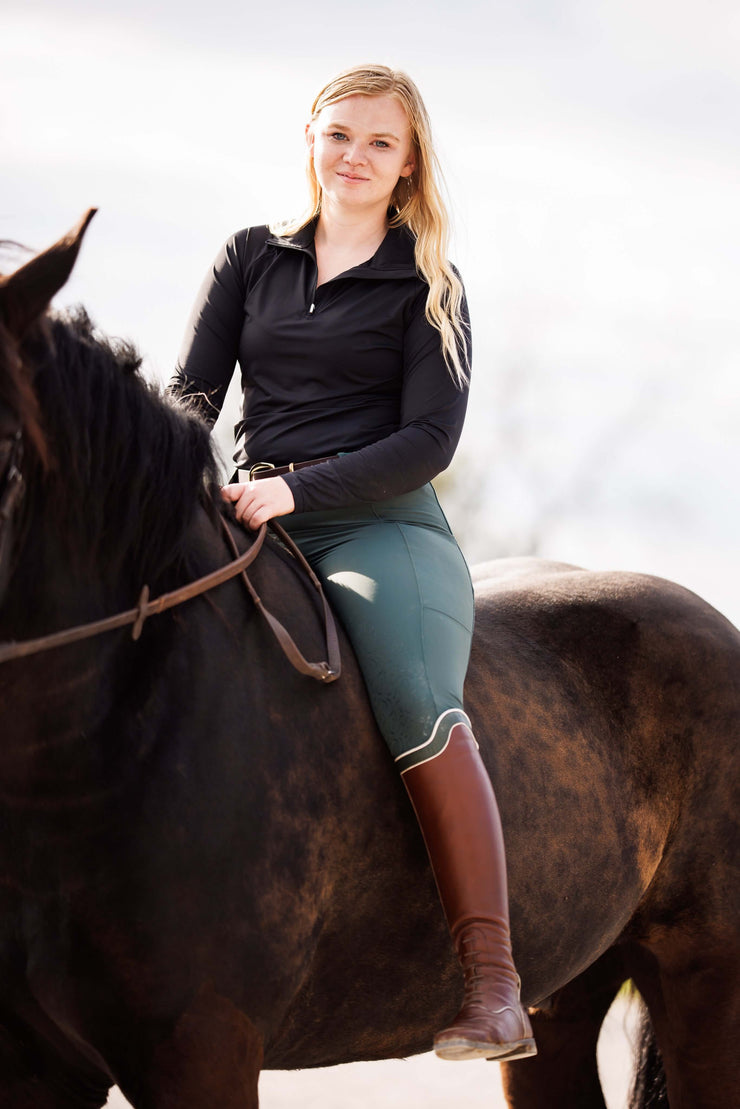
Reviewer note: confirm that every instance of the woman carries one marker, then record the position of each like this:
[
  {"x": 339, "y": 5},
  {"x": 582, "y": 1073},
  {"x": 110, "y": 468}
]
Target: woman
[{"x": 351, "y": 331}]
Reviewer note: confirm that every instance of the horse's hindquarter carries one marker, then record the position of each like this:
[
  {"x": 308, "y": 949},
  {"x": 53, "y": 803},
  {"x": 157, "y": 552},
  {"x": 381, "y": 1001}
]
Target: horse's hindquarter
[{"x": 606, "y": 705}]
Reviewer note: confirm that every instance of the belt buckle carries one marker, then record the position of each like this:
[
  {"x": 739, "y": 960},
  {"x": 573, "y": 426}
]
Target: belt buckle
[{"x": 260, "y": 468}]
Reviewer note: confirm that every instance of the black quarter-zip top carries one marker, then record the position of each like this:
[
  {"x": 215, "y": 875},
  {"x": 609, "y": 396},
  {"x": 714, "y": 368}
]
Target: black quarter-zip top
[{"x": 349, "y": 367}]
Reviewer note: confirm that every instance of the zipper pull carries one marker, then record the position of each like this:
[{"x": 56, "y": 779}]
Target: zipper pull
[{"x": 310, "y": 311}]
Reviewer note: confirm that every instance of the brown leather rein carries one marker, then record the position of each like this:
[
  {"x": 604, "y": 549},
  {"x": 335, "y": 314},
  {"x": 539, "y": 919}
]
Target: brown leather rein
[{"x": 322, "y": 671}]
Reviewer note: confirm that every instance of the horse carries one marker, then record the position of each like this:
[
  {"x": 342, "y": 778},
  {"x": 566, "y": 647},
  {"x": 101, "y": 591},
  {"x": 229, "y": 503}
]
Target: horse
[{"x": 208, "y": 864}]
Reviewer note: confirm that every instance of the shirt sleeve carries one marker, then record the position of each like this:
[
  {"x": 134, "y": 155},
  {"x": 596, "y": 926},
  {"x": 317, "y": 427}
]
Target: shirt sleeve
[
  {"x": 433, "y": 409},
  {"x": 210, "y": 346}
]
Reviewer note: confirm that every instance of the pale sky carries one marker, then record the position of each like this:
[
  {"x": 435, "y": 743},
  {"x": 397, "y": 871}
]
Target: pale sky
[{"x": 591, "y": 156}]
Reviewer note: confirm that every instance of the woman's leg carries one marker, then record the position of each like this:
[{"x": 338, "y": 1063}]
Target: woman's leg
[
  {"x": 403, "y": 593},
  {"x": 459, "y": 818}
]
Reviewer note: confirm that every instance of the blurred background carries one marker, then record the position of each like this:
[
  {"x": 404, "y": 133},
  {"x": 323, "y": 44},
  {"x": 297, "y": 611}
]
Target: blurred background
[{"x": 591, "y": 155}]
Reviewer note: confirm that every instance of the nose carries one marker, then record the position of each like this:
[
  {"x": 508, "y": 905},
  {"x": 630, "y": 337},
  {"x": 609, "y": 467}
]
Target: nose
[{"x": 354, "y": 155}]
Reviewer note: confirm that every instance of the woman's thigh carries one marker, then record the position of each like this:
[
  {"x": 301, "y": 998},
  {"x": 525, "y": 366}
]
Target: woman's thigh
[{"x": 403, "y": 593}]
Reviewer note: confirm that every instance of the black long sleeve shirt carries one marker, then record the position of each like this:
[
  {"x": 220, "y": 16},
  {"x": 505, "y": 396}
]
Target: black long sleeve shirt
[{"x": 351, "y": 367}]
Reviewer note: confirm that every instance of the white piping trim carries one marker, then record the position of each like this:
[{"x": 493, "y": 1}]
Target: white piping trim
[{"x": 435, "y": 729}]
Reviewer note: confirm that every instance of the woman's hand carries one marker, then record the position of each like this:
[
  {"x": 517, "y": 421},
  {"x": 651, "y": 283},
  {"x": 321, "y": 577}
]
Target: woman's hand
[{"x": 257, "y": 501}]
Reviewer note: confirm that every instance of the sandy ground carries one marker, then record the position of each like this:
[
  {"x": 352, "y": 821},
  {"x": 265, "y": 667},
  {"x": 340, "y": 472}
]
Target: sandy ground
[{"x": 425, "y": 1082}]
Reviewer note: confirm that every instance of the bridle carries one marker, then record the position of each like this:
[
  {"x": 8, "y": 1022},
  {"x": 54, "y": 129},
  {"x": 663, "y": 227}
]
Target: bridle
[{"x": 13, "y": 486}]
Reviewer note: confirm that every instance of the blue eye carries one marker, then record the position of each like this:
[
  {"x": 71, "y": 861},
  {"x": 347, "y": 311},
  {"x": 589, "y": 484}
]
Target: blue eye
[{"x": 337, "y": 135}]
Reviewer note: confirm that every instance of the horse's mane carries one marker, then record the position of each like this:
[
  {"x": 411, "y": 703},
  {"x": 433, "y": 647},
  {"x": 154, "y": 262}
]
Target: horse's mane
[{"x": 126, "y": 465}]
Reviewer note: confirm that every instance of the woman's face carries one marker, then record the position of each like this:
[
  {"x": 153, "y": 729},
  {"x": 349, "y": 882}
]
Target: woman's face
[{"x": 360, "y": 147}]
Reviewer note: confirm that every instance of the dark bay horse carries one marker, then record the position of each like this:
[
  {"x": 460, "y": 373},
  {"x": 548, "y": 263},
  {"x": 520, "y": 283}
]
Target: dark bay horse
[{"x": 208, "y": 864}]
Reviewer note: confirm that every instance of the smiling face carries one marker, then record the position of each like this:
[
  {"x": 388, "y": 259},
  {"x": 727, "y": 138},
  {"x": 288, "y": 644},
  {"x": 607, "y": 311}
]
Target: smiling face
[{"x": 360, "y": 147}]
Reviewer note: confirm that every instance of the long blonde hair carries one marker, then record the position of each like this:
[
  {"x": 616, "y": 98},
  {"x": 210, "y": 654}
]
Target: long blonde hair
[{"x": 416, "y": 200}]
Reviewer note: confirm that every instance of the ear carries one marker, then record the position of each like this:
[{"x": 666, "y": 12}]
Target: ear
[
  {"x": 410, "y": 166},
  {"x": 25, "y": 294},
  {"x": 309, "y": 138}
]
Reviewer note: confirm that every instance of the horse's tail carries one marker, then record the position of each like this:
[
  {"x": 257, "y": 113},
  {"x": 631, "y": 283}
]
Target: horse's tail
[{"x": 649, "y": 1085}]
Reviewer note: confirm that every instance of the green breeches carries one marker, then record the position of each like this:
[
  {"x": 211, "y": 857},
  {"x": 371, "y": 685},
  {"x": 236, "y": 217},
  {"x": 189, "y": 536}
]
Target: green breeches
[{"x": 400, "y": 585}]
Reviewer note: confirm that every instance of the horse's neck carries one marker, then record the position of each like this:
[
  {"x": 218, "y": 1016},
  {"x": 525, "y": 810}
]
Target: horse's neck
[{"x": 61, "y": 707}]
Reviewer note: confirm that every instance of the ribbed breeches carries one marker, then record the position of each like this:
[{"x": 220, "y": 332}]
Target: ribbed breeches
[{"x": 400, "y": 585}]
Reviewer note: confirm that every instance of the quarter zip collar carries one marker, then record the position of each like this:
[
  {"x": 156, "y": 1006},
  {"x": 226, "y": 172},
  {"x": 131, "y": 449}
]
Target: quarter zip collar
[{"x": 394, "y": 258}]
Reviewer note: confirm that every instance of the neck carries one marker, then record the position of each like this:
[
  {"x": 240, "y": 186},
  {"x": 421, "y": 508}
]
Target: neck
[{"x": 351, "y": 231}]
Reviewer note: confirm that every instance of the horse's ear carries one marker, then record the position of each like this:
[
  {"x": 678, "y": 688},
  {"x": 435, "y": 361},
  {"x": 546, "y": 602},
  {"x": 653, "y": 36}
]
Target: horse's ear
[{"x": 25, "y": 294}]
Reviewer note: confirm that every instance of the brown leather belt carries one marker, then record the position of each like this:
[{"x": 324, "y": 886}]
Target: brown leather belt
[{"x": 266, "y": 469}]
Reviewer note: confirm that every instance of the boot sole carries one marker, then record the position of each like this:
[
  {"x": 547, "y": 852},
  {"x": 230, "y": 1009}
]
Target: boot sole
[{"x": 460, "y": 1050}]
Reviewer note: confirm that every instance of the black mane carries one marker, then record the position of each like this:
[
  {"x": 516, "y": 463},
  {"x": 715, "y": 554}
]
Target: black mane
[{"x": 127, "y": 465}]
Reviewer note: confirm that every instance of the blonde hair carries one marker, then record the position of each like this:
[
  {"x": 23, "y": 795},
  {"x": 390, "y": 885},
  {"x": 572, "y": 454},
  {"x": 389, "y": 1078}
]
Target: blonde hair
[{"x": 416, "y": 200}]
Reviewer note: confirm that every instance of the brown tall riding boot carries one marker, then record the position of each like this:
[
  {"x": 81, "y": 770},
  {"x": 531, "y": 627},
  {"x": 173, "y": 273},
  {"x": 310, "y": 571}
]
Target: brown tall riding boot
[{"x": 459, "y": 819}]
